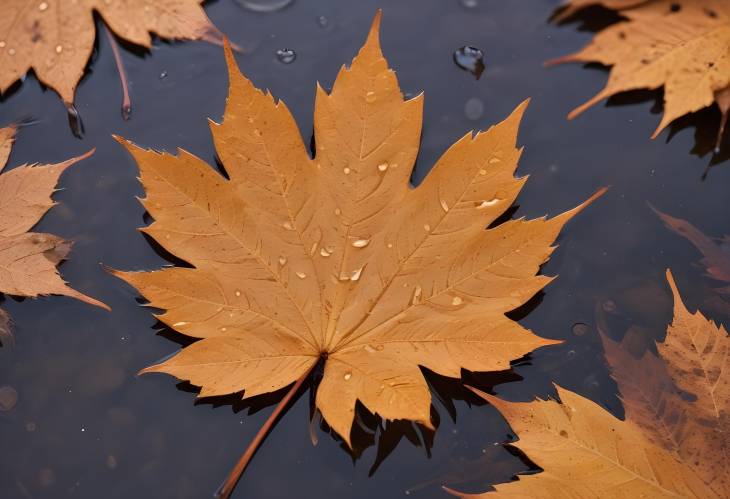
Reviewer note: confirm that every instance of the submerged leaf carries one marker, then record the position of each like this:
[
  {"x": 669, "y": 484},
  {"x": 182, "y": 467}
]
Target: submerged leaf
[
  {"x": 336, "y": 257},
  {"x": 715, "y": 251}
]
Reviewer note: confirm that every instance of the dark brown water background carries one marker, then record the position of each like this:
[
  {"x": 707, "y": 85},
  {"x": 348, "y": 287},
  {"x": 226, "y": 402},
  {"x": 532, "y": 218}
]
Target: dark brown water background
[{"x": 85, "y": 426}]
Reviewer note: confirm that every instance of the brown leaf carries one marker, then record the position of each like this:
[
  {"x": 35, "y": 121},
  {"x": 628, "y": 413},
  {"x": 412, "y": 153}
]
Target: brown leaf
[
  {"x": 28, "y": 259},
  {"x": 673, "y": 443},
  {"x": 7, "y": 137},
  {"x": 337, "y": 257},
  {"x": 6, "y": 334},
  {"x": 585, "y": 451},
  {"x": 55, "y": 37},
  {"x": 715, "y": 252},
  {"x": 680, "y": 45},
  {"x": 571, "y": 7}
]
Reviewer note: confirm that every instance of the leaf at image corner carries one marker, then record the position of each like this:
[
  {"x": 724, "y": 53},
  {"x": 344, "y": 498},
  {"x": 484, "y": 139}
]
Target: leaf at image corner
[
  {"x": 337, "y": 257},
  {"x": 678, "y": 45},
  {"x": 673, "y": 442},
  {"x": 28, "y": 260},
  {"x": 55, "y": 38}
]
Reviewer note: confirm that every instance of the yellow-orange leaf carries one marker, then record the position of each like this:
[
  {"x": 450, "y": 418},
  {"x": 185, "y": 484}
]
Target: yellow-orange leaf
[
  {"x": 673, "y": 443},
  {"x": 585, "y": 452},
  {"x": 679, "y": 45},
  {"x": 55, "y": 37},
  {"x": 572, "y": 6},
  {"x": 28, "y": 259},
  {"x": 337, "y": 258}
]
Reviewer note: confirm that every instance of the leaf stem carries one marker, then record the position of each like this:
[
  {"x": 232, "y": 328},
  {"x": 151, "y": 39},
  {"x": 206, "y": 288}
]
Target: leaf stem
[
  {"x": 126, "y": 102},
  {"x": 226, "y": 488}
]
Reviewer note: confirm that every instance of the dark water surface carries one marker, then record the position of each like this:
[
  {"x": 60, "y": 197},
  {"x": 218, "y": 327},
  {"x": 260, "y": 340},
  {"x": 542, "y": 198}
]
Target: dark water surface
[{"x": 85, "y": 426}]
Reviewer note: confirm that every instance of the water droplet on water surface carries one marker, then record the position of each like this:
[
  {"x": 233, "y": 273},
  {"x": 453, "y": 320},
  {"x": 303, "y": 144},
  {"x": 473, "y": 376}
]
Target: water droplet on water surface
[
  {"x": 8, "y": 398},
  {"x": 264, "y": 5},
  {"x": 470, "y": 59},
  {"x": 579, "y": 329},
  {"x": 286, "y": 56},
  {"x": 474, "y": 109},
  {"x": 323, "y": 22},
  {"x": 469, "y": 4}
]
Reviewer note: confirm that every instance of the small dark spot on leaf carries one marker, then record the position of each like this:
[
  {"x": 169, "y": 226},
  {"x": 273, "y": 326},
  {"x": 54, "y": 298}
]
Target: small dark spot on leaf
[
  {"x": 675, "y": 7},
  {"x": 711, "y": 13}
]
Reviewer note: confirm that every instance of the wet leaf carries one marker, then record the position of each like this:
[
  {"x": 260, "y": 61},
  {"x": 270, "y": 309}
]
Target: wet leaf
[
  {"x": 55, "y": 38},
  {"x": 674, "y": 441},
  {"x": 28, "y": 259},
  {"x": 570, "y": 7},
  {"x": 337, "y": 258},
  {"x": 678, "y": 45}
]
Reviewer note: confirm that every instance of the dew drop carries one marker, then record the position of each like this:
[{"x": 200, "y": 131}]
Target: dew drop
[
  {"x": 494, "y": 160},
  {"x": 383, "y": 166},
  {"x": 288, "y": 225},
  {"x": 427, "y": 228},
  {"x": 2, "y": 45},
  {"x": 456, "y": 301},
  {"x": 346, "y": 170},
  {"x": 282, "y": 260},
  {"x": 361, "y": 243},
  {"x": 390, "y": 245},
  {"x": 325, "y": 252},
  {"x": 469, "y": 4},
  {"x": 286, "y": 56},
  {"x": 224, "y": 329},
  {"x": 43, "y": 6},
  {"x": 181, "y": 323},
  {"x": 163, "y": 75},
  {"x": 338, "y": 212},
  {"x": 470, "y": 59},
  {"x": 482, "y": 172},
  {"x": 59, "y": 49},
  {"x": 347, "y": 376},
  {"x": 370, "y": 97},
  {"x": 301, "y": 275},
  {"x": 444, "y": 205},
  {"x": 238, "y": 293},
  {"x": 11, "y": 51},
  {"x": 355, "y": 276}
]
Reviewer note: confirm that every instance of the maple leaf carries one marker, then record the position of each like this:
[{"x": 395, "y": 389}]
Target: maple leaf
[
  {"x": 55, "y": 38},
  {"x": 336, "y": 258},
  {"x": 680, "y": 45},
  {"x": 681, "y": 399},
  {"x": 715, "y": 251},
  {"x": 28, "y": 259},
  {"x": 673, "y": 442}
]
